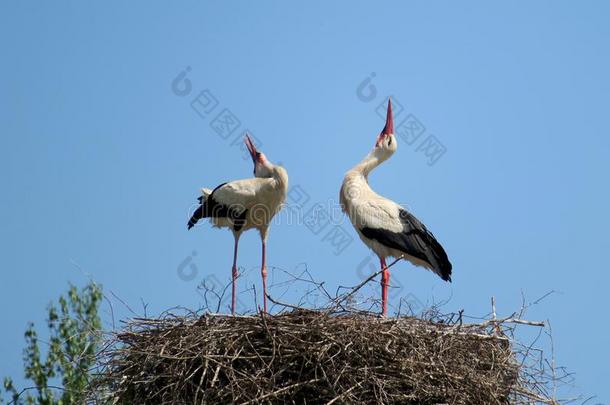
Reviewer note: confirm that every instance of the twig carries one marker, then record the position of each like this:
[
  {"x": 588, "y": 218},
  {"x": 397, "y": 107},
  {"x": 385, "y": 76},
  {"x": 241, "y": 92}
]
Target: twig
[
  {"x": 277, "y": 392},
  {"x": 362, "y": 284}
]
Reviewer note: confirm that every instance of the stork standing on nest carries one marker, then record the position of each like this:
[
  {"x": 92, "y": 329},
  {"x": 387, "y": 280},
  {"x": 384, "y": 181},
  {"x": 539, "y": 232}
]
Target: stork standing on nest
[
  {"x": 384, "y": 226},
  {"x": 245, "y": 204}
]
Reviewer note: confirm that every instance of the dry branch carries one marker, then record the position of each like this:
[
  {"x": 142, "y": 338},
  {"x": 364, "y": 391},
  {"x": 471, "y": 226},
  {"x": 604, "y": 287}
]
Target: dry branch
[{"x": 308, "y": 356}]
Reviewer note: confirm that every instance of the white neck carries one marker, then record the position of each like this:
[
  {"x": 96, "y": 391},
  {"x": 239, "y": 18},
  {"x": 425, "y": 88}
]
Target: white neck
[
  {"x": 279, "y": 174},
  {"x": 370, "y": 161}
]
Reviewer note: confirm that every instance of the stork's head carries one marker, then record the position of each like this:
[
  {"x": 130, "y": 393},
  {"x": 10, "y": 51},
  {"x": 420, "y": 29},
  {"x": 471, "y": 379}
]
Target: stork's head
[
  {"x": 262, "y": 167},
  {"x": 386, "y": 143}
]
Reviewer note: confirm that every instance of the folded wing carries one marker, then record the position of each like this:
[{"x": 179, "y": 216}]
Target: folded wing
[
  {"x": 394, "y": 227},
  {"x": 229, "y": 200}
]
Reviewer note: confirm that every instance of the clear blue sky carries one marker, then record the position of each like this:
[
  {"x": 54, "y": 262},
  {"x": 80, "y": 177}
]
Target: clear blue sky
[{"x": 101, "y": 160}]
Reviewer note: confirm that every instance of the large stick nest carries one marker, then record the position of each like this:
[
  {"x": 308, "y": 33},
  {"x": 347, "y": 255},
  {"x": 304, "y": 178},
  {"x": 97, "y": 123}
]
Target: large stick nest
[{"x": 309, "y": 357}]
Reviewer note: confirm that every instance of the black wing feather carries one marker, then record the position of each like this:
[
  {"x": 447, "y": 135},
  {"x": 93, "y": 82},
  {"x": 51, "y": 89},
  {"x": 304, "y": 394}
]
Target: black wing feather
[
  {"x": 415, "y": 241},
  {"x": 211, "y": 208},
  {"x": 197, "y": 215}
]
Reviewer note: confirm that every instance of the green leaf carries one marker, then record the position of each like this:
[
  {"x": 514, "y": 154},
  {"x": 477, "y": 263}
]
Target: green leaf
[{"x": 74, "y": 338}]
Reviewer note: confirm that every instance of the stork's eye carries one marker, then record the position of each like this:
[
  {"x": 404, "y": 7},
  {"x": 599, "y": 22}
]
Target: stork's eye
[
  {"x": 258, "y": 155},
  {"x": 389, "y": 140}
]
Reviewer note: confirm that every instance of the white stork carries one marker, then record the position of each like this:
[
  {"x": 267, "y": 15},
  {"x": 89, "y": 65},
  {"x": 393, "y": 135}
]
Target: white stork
[
  {"x": 245, "y": 204},
  {"x": 384, "y": 226}
]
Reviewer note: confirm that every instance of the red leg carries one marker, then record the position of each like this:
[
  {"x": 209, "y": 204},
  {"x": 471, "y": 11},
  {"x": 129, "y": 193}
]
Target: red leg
[
  {"x": 234, "y": 277},
  {"x": 385, "y": 283},
  {"x": 264, "y": 274}
]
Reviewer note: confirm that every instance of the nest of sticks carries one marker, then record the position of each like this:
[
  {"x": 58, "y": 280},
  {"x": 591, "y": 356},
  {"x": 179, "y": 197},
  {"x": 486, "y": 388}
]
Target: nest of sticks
[{"x": 306, "y": 356}]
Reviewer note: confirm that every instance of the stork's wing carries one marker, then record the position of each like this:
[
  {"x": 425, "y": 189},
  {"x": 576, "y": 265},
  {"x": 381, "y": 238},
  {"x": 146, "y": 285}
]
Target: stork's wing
[
  {"x": 205, "y": 194},
  {"x": 394, "y": 227},
  {"x": 229, "y": 200},
  {"x": 237, "y": 195}
]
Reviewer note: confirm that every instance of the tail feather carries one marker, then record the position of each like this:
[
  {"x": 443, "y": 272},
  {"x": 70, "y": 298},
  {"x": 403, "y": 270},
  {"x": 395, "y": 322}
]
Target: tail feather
[
  {"x": 197, "y": 215},
  {"x": 205, "y": 206},
  {"x": 443, "y": 265},
  {"x": 200, "y": 211},
  {"x": 435, "y": 255}
]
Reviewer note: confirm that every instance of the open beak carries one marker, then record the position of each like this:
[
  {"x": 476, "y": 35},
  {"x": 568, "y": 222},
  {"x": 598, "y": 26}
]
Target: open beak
[
  {"x": 389, "y": 124},
  {"x": 251, "y": 148}
]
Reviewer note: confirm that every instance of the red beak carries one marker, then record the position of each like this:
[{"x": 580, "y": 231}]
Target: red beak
[
  {"x": 389, "y": 120},
  {"x": 251, "y": 148},
  {"x": 389, "y": 124}
]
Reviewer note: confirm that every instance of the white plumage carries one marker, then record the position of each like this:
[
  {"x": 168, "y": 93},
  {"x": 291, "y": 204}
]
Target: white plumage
[
  {"x": 259, "y": 198},
  {"x": 385, "y": 227},
  {"x": 246, "y": 204}
]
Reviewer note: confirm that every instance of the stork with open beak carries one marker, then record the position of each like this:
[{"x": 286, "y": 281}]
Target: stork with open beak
[
  {"x": 245, "y": 204},
  {"x": 385, "y": 227}
]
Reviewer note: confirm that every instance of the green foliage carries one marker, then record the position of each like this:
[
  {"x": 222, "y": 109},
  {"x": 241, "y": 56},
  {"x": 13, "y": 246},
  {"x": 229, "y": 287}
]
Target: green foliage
[{"x": 74, "y": 330}]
